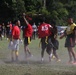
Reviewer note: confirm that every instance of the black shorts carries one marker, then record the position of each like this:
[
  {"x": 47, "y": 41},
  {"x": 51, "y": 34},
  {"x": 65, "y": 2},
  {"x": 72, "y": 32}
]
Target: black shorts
[
  {"x": 50, "y": 44},
  {"x": 43, "y": 43},
  {"x": 27, "y": 40},
  {"x": 55, "y": 44},
  {"x": 70, "y": 42}
]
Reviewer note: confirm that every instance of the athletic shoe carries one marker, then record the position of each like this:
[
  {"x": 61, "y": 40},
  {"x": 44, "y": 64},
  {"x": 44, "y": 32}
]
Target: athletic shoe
[
  {"x": 53, "y": 57},
  {"x": 58, "y": 60}
]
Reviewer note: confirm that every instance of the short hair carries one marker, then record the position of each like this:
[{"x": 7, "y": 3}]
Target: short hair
[
  {"x": 53, "y": 22},
  {"x": 15, "y": 21}
]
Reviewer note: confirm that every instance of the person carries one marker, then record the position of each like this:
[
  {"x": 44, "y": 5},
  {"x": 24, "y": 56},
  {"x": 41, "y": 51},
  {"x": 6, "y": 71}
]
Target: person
[
  {"x": 7, "y": 30},
  {"x": 43, "y": 33},
  {"x": 34, "y": 31},
  {"x": 28, "y": 31},
  {"x": 4, "y": 30},
  {"x": 54, "y": 40},
  {"x": 14, "y": 41},
  {"x": 70, "y": 34},
  {"x": 1, "y": 29}
]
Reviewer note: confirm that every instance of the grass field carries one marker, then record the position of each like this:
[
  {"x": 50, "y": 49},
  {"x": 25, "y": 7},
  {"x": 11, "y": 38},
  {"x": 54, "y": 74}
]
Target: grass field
[{"x": 34, "y": 66}]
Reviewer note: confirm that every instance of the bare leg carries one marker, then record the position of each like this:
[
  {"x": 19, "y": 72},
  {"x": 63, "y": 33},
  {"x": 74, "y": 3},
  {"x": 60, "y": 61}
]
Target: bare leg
[
  {"x": 16, "y": 54},
  {"x": 12, "y": 55},
  {"x": 55, "y": 54},
  {"x": 27, "y": 50},
  {"x": 70, "y": 54},
  {"x": 50, "y": 52},
  {"x": 42, "y": 54},
  {"x": 74, "y": 54}
]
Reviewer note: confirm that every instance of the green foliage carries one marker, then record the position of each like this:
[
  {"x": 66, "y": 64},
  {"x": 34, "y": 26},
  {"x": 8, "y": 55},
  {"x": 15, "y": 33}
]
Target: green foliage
[
  {"x": 59, "y": 10},
  {"x": 44, "y": 11},
  {"x": 18, "y": 7}
]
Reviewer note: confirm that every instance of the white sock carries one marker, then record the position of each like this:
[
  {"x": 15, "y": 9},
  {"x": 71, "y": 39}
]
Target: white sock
[{"x": 51, "y": 55}]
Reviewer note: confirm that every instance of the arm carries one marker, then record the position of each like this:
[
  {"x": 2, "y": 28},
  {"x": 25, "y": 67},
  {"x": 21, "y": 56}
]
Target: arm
[
  {"x": 25, "y": 19},
  {"x": 75, "y": 34},
  {"x": 63, "y": 35}
]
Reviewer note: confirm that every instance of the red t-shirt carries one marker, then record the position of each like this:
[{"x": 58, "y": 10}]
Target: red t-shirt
[
  {"x": 28, "y": 31},
  {"x": 16, "y": 32},
  {"x": 10, "y": 26},
  {"x": 44, "y": 30}
]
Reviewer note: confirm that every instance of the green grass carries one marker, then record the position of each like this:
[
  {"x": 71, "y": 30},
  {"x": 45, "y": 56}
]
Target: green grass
[{"x": 34, "y": 66}]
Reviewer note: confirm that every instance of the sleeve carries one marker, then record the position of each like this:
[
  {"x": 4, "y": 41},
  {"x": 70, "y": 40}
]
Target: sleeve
[{"x": 13, "y": 31}]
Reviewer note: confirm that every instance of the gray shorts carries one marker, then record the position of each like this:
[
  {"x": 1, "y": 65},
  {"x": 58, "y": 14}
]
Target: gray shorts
[{"x": 15, "y": 45}]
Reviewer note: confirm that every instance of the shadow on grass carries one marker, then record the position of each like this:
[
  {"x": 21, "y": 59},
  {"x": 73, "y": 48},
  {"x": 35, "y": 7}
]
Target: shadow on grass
[{"x": 26, "y": 62}]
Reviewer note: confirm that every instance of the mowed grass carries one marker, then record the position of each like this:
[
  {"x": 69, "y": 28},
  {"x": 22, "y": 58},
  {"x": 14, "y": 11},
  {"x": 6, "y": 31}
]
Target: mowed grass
[{"x": 34, "y": 66}]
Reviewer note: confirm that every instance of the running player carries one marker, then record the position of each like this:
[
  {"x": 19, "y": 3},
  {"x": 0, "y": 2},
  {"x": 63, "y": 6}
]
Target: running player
[
  {"x": 43, "y": 33},
  {"x": 54, "y": 40}
]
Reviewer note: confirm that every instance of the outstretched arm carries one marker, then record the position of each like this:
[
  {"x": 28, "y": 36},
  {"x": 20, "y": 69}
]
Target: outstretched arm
[{"x": 25, "y": 19}]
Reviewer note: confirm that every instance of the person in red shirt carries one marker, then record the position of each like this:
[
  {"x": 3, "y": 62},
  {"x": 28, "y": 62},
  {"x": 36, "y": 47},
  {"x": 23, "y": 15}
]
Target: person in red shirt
[
  {"x": 43, "y": 33},
  {"x": 15, "y": 37},
  {"x": 28, "y": 31}
]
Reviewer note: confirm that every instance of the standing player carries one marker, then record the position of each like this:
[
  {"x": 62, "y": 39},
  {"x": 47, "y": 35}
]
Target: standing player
[
  {"x": 7, "y": 30},
  {"x": 15, "y": 40},
  {"x": 34, "y": 31},
  {"x": 1, "y": 29},
  {"x": 27, "y": 36},
  {"x": 4, "y": 30},
  {"x": 70, "y": 42},
  {"x": 43, "y": 33}
]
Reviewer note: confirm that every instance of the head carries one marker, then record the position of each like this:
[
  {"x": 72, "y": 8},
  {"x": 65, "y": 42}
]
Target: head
[
  {"x": 53, "y": 23},
  {"x": 70, "y": 20},
  {"x": 17, "y": 22},
  {"x": 3, "y": 24}
]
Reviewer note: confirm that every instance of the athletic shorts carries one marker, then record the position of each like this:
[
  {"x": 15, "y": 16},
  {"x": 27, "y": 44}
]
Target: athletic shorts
[
  {"x": 15, "y": 45},
  {"x": 70, "y": 42},
  {"x": 27, "y": 40},
  {"x": 55, "y": 44},
  {"x": 43, "y": 43},
  {"x": 49, "y": 46}
]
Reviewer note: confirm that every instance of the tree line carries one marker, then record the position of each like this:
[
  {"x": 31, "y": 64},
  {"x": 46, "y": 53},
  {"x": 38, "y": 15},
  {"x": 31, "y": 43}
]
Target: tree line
[{"x": 58, "y": 10}]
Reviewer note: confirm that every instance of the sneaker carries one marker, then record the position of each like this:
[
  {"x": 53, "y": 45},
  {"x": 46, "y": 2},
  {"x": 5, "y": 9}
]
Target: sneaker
[
  {"x": 58, "y": 60},
  {"x": 53, "y": 57}
]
